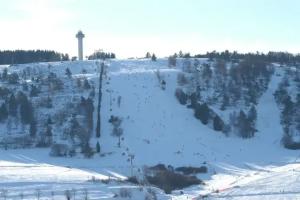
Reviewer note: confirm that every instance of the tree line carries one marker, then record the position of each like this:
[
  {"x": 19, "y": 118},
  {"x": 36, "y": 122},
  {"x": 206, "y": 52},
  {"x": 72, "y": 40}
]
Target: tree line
[
  {"x": 101, "y": 55},
  {"x": 28, "y": 56},
  {"x": 272, "y": 56}
]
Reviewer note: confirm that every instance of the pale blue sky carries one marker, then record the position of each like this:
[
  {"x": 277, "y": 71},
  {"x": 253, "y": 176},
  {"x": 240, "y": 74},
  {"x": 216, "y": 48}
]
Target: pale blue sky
[{"x": 133, "y": 27}]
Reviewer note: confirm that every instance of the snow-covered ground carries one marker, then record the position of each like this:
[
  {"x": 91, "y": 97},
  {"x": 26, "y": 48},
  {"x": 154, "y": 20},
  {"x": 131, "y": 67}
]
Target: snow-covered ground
[{"x": 157, "y": 129}]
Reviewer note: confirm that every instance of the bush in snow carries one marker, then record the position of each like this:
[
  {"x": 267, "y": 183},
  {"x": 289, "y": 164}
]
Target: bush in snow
[
  {"x": 181, "y": 96},
  {"x": 187, "y": 66},
  {"x": 194, "y": 100},
  {"x": 125, "y": 193},
  {"x": 13, "y": 78},
  {"x": 34, "y": 91},
  {"x": 4, "y": 74},
  {"x": 168, "y": 180},
  {"x": 23, "y": 141},
  {"x": 181, "y": 79},
  {"x": 192, "y": 170},
  {"x": 45, "y": 102},
  {"x": 287, "y": 142},
  {"x": 54, "y": 82},
  {"x": 57, "y": 84},
  {"x": 172, "y": 61},
  {"x": 78, "y": 82},
  {"x": 59, "y": 150},
  {"x": 225, "y": 101},
  {"x": 4, "y": 92},
  {"x": 84, "y": 71},
  {"x": 151, "y": 194},
  {"x": 68, "y": 73},
  {"x": 45, "y": 137},
  {"x": 86, "y": 84},
  {"x": 92, "y": 93}
]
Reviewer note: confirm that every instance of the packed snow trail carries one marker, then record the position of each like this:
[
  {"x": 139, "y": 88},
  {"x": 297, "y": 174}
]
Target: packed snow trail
[{"x": 268, "y": 113}]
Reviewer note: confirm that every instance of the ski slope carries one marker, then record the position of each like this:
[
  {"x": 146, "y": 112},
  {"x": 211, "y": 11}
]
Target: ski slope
[{"x": 157, "y": 129}]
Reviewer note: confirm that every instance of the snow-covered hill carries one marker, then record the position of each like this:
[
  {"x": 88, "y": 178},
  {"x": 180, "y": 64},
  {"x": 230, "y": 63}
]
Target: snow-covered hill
[{"x": 156, "y": 129}]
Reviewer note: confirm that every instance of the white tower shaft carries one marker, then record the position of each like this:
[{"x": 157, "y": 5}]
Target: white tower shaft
[
  {"x": 80, "y": 36},
  {"x": 80, "y": 49}
]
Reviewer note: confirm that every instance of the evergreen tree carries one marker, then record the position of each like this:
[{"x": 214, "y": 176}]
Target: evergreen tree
[
  {"x": 12, "y": 106},
  {"x": 25, "y": 86},
  {"x": 298, "y": 100},
  {"x": 148, "y": 55},
  {"x": 194, "y": 100},
  {"x": 68, "y": 73},
  {"x": 33, "y": 129},
  {"x": 98, "y": 133},
  {"x": 48, "y": 131},
  {"x": 49, "y": 120},
  {"x": 87, "y": 150},
  {"x": 26, "y": 110},
  {"x": 202, "y": 112},
  {"x": 86, "y": 84},
  {"x": 13, "y": 78},
  {"x": 34, "y": 91},
  {"x": 89, "y": 107},
  {"x": 65, "y": 57},
  {"x": 4, "y": 92},
  {"x": 98, "y": 147},
  {"x": 218, "y": 123},
  {"x": 172, "y": 61},
  {"x": 180, "y": 54},
  {"x": 74, "y": 127},
  {"x": 3, "y": 112},
  {"x": 244, "y": 125},
  {"x": 225, "y": 102},
  {"x": 112, "y": 55},
  {"x": 287, "y": 114},
  {"x": 252, "y": 114},
  {"x": 86, "y": 108},
  {"x": 4, "y": 74},
  {"x": 220, "y": 68},
  {"x": 187, "y": 55},
  {"x": 48, "y": 135},
  {"x": 153, "y": 58},
  {"x": 207, "y": 72}
]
